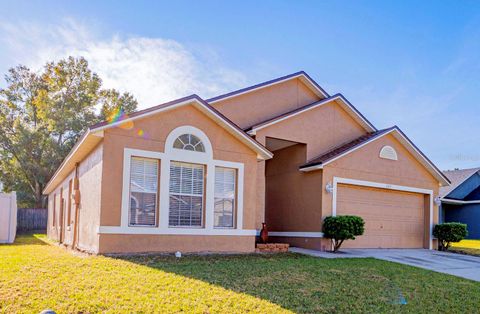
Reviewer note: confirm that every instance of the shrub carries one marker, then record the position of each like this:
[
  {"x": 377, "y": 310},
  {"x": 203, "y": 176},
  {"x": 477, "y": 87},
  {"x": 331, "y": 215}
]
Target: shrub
[
  {"x": 341, "y": 228},
  {"x": 449, "y": 232}
]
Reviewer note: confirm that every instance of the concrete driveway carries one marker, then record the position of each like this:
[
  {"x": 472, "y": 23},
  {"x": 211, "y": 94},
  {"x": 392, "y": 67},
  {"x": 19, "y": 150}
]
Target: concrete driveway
[{"x": 449, "y": 263}]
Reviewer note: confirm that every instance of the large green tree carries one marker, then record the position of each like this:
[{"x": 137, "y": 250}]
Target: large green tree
[{"x": 42, "y": 115}]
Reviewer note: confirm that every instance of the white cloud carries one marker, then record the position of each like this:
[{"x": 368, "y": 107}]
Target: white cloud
[{"x": 154, "y": 70}]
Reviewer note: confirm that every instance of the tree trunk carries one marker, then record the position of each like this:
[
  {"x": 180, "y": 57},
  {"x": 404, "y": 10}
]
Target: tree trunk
[{"x": 38, "y": 195}]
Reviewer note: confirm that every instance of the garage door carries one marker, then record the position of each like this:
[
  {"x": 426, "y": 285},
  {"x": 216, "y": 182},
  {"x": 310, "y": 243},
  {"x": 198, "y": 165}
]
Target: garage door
[{"x": 393, "y": 219}]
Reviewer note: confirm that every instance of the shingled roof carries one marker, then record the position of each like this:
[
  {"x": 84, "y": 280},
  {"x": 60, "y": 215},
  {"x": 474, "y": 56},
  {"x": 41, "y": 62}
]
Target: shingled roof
[
  {"x": 344, "y": 148},
  {"x": 456, "y": 177}
]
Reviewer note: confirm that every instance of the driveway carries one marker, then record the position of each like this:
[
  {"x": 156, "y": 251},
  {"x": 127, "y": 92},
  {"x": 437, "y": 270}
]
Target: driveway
[{"x": 449, "y": 263}]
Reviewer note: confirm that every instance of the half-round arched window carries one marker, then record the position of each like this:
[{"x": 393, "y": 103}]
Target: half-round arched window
[{"x": 189, "y": 142}]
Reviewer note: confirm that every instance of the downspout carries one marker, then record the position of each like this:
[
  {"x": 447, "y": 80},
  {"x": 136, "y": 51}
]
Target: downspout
[{"x": 76, "y": 202}]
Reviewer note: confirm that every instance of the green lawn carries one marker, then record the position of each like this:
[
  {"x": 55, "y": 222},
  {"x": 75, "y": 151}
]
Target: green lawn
[
  {"x": 471, "y": 247},
  {"x": 35, "y": 275}
]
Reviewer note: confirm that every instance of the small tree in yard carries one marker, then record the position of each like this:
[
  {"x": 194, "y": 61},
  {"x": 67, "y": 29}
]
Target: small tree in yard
[
  {"x": 341, "y": 228},
  {"x": 449, "y": 232}
]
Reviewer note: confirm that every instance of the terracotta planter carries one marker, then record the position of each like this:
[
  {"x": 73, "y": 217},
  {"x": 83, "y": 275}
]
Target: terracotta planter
[{"x": 264, "y": 233}]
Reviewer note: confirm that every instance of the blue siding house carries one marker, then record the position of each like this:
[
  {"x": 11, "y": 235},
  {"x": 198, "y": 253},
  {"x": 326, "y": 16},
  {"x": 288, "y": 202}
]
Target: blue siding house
[{"x": 461, "y": 200}]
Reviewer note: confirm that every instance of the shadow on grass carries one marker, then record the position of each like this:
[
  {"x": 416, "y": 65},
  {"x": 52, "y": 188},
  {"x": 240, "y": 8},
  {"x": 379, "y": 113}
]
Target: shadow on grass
[
  {"x": 295, "y": 282},
  {"x": 29, "y": 238}
]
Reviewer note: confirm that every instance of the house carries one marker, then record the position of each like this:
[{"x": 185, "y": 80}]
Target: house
[
  {"x": 461, "y": 200},
  {"x": 196, "y": 175}
]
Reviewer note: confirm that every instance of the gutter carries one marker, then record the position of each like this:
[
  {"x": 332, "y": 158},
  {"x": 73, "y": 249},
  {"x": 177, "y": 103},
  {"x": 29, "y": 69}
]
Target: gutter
[{"x": 459, "y": 202}]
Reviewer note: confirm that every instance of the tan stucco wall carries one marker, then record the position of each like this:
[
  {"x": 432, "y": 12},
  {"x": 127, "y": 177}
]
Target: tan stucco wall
[
  {"x": 293, "y": 202},
  {"x": 365, "y": 164},
  {"x": 257, "y": 106},
  {"x": 90, "y": 175},
  {"x": 321, "y": 129},
  {"x": 157, "y": 127},
  {"x": 131, "y": 243}
]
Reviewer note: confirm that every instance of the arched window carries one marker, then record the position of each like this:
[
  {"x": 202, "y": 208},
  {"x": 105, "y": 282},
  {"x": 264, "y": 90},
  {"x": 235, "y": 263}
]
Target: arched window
[{"x": 189, "y": 142}]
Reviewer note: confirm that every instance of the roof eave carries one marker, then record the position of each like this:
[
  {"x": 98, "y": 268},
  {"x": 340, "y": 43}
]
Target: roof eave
[
  {"x": 314, "y": 86},
  {"x": 347, "y": 106},
  {"x": 426, "y": 162},
  {"x": 98, "y": 131}
]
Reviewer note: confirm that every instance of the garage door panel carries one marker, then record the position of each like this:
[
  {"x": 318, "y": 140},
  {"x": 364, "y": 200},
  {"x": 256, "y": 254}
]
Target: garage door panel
[{"x": 393, "y": 219}]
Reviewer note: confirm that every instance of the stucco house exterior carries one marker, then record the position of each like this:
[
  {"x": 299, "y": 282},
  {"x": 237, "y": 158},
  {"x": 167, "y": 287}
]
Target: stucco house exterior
[
  {"x": 461, "y": 200},
  {"x": 197, "y": 175}
]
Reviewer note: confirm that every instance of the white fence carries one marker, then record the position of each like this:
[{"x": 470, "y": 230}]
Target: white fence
[{"x": 8, "y": 217}]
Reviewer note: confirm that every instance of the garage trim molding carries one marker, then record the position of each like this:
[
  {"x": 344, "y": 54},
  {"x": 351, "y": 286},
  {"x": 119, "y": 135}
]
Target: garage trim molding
[{"x": 338, "y": 180}]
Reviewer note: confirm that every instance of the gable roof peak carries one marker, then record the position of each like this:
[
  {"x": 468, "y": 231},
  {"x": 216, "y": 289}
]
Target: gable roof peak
[
  {"x": 314, "y": 86},
  {"x": 457, "y": 177},
  {"x": 346, "y": 148},
  {"x": 346, "y": 105}
]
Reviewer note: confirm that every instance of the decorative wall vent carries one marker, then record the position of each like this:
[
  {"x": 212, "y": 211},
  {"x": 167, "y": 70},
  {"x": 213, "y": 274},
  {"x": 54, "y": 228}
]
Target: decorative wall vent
[{"x": 388, "y": 152}]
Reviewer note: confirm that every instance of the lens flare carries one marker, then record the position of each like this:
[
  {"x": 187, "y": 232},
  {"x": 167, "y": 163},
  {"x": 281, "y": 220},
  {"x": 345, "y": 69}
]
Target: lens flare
[
  {"x": 120, "y": 117},
  {"x": 142, "y": 134}
]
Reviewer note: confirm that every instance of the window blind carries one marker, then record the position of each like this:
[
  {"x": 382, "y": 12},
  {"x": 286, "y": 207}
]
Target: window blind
[
  {"x": 186, "y": 194},
  {"x": 225, "y": 194},
  {"x": 143, "y": 191}
]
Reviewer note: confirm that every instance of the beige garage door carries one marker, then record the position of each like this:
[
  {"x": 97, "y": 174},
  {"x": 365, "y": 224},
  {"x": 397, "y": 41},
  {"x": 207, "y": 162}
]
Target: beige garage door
[{"x": 393, "y": 219}]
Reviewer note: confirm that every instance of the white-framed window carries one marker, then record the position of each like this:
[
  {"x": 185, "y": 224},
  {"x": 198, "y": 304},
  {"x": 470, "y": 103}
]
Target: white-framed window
[
  {"x": 189, "y": 142},
  {"x": 186, "y": 194},
  {"x": 143, "y": 191},
  {"x": 225, "y": 197}
]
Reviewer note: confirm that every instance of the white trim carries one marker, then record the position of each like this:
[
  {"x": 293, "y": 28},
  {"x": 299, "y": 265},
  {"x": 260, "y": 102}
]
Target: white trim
[
  {"x": 461, "y": 182},
  {"x": 188, "y": 129},
  {"x": 46, "y": 190},
  {"x": 430, "y": 166},
  {"x": 128, "y": 153},
  {"x": 175, "y": 231},
  {"x": 247, "y": 90},
  {"x": 316, "y": 167},
  {"x": 386, "y": 186},
  {"x": 441, "y": 175},
  {"x": 163, "y": 205},
  {"x": 263, "y": 152},
  {"x": 459, "y": 202},
  {"x": 296, "y": 234},
  {"x": 320, "y": 103}
]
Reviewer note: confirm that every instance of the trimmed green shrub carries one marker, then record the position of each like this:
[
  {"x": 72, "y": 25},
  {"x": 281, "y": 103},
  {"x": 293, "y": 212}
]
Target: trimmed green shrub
[
  {"x": 449, "y": 232},
  {"x": 341, "y": 228}
]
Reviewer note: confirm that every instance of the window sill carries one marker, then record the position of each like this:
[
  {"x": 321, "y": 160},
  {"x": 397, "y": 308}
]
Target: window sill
[
  {"x": 142, "y": 226},
  {"x": 175, "y": 231}
]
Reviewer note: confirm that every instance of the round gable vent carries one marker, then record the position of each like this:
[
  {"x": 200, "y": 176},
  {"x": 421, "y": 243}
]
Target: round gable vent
[{"x": 388, "y": 152}]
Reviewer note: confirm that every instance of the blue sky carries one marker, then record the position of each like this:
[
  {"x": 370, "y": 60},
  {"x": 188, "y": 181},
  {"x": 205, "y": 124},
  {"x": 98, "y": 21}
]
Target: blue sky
[{"x": 411, "y": 63}]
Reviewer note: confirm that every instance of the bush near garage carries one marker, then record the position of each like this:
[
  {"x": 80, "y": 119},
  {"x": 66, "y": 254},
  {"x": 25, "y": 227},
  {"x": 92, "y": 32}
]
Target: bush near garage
[
  {"x": 341, "y": 228},
  {"x": 449, "y": 232}
]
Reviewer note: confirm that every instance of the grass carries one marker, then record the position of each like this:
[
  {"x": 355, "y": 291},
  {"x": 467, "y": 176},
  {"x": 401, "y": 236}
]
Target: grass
[
  {"x": 470, "y": 247},
  {"x": 35, "y": 275}
]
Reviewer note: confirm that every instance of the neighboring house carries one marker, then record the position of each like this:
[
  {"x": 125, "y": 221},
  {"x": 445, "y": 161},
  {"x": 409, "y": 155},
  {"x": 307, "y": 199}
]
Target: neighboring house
[
  {"x": 461, "y": 200},
  {"x": 202, "y": 175}
]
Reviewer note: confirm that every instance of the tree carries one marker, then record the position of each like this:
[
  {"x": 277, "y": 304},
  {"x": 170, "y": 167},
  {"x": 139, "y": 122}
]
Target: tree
[
  {"x": 341, "y": 228},
  {"x": 449, "y": 232},
  {"x": 41, "y": 118}
]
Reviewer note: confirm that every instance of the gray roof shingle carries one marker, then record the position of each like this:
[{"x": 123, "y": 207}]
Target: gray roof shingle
[{"x": 456, "y": 177}]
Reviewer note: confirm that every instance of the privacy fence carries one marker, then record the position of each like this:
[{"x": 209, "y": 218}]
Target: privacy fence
[{"x": 29, "y": 219}]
